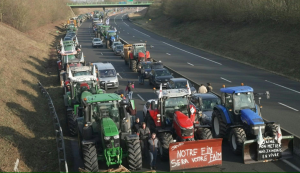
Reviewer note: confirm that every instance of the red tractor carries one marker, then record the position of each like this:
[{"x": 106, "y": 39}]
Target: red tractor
[
  {"x": 137, "y": 55},
  {"x": 174, "y": 119}
]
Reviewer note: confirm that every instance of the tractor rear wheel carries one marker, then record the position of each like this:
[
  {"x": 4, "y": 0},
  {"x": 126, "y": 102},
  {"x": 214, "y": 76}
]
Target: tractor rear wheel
[
  {"x": 203, "y": 133},
  {"x": 165, "y": 140},
  {"x": 133, "y": 65},
  {"x": 270, "y": 130},
  {"x": 72, "y": 125},
  {"x": 90, "y": 159},
  {"x": 134, "y": 155},
  {"x": 218, "y": 125},
  {"x": 80, "y": 145},
  {"x": 237, "y": 137}
]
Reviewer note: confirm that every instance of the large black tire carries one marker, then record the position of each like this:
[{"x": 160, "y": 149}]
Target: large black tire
[
  {"x": 203, "y": 133},
  {"x": 165, "y": 140},
  {"x": 270, "y": 130},
  {"x": 219, "y": 127},
  {"x": 134, "y": 155},
  {"x": 90, "y": 159},
  {"x": 72, "y": 123},
  {"x": 133, "y": 65},
  {"x": 237, "y": 137},
  {"x": 80, "y": 145}
]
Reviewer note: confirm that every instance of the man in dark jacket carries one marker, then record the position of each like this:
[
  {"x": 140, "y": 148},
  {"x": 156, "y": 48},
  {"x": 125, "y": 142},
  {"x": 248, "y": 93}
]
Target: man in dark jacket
[
  {"x": 209, "y": 87},
  {"x": 136, "y": 126},
  {"x": 144, "y": 134},
  {"x": 153, "y": 143}
]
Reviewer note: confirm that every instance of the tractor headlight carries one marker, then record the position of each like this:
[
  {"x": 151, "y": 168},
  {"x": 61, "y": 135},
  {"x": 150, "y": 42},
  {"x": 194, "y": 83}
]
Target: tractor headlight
[
  {"x": 116, "y": 137},
  {"x": 146, "y": 72},
  {"x": 107, "y": 138}
]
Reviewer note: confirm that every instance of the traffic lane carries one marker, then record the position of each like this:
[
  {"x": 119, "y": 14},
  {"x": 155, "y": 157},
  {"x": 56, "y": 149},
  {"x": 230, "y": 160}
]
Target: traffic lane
[
  {"x": 227, "y": 80},
  {"x": 147, "y": 92},
  {"x": 249, "y": 75}
]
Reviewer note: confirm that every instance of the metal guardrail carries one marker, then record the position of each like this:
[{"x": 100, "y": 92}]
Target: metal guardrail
[
  {"x": 112, "y": 3},
  {"x": 63, "y": 166},
  {"x": 296, "y": 140}
]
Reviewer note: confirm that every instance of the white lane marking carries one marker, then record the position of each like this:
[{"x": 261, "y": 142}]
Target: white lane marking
[
  {"x": 291, "y": 165},
  {"x": 123, "y": 29},
  {"x": 226, "y": 80},
  {"x": 190, "y": 64},
  {"x": 193, "y": 54},
  {"x": 141, "y": 40},
  {"x": 283, "y": 87},
  {"x": 120, "y": 76},
  {"x": 133, "y": 36},
  {"x": 288, "y": 106},
  {"x": 168, "y": 54},
  {"x": 127, "y": 33},
  {"x": 140, "y": 97},
  {"x": 142, "y": 32},
  {"x": 125, "y": 23}
]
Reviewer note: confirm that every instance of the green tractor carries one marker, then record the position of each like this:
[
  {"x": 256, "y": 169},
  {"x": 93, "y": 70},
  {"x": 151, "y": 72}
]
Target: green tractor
[
  {"x": 102, "y": 31},
  {"x": 104, "y": 133},
  {"x": 77, "y": 86}
]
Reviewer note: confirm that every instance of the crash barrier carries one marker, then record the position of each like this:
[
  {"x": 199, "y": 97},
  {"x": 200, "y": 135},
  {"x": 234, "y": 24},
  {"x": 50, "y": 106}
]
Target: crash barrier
[
  {"x": 120, "y": 169},
  {"x": 294, "y": 140},
  {"x": 63, "y": 166}
]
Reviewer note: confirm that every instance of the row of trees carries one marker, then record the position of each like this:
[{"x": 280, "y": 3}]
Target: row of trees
[
  {"x": 28, "y": 14},
  {"x": 249, "y": 11}
]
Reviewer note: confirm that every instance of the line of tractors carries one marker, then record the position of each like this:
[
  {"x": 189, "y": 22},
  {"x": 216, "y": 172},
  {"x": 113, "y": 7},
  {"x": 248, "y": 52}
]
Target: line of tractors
[{"x": 102, "y": 121}]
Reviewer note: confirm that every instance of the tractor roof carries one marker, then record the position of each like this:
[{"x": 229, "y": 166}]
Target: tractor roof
[
  {"x": 83, "y": 78},
  {"x": 103, "y": 97},
  {"x": 173, "y": 92},
  {"x": 237, "y": 89},
  {"x": 82, "y": 68},
  {"x": 103, "y": 66},
  {"x": 111, "y": 31},
  {"x": 138, "y": 44},
  {"x": 109, "y": 127}
]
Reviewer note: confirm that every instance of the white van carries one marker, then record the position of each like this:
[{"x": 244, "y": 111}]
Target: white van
[{"x": 107, "y": 75}]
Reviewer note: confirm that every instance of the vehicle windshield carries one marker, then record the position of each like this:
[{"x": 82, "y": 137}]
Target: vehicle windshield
[
  {"x": 243, "y": 101},
  {"x": 180, "y": 103},
  {"x": 97, "y": 39},
  {"x": 107, "y": 73},
  {"x": 112, "y": 33},
  {"x": 162, "y": 73},
  {"x": 140, "y": 49},
  {"x": 146, "y": 66},
  {"x": 67, "y": 38},
  {"x": 119, "y": 47},
  {"x": 180, "y": 84},
  {"x": 81, "y": 73},
  {"x": 209, "y": 104},
  {"x": 107, "y": 109}
]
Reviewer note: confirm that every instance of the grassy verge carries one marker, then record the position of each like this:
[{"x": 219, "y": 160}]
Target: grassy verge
[{"x": 269, "y": 46}]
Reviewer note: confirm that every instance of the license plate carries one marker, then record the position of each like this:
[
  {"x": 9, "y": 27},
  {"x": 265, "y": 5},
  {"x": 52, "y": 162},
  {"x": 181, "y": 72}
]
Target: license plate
[{"x": 109, "y": 84}]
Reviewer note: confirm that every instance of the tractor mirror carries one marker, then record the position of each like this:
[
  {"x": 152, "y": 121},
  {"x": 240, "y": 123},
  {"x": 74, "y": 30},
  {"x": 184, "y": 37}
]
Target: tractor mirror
[{"x": 152, "y": 105}]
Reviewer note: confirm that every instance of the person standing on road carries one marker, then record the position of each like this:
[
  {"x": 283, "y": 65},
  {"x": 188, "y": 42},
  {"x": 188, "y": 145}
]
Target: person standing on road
[
  {"x": 209, "y": 87},
  {"x": 137, "y": 125},
  {"x": 153, "y": 143},
  {"x": 202, "y": 89},
  {"x": 129, "y": 89},
  {"x": 144, "y": 134}
]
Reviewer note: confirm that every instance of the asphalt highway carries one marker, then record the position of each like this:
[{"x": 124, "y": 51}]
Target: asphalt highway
[{"x": 200, "y": 67}]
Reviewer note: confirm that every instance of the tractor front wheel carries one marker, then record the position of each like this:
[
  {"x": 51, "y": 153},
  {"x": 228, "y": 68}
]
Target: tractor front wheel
[
  {"x": 218, "y": 125},
  {"x": 72, "y": 125},
  {"x": 237, "y": 137},
  {"x": 165, "y": 140},
  {"x": 134, "y": 155},
  {"x": 90, "y": 159},
  {"x": 203, "y": 133},
  {"x": 133, "y": 66},
  {"x": 270, "y": 130}
]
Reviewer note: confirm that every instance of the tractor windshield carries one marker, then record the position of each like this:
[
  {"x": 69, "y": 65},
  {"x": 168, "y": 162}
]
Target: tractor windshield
[
  {"x": 112, "y": 33},
  {"x": 171, "y": 103},
  {"x": 107, "y": 109},
  {"x": 107, "y": 73},
  {"x": 243, "y": 101},
  {"x": 209, "y": 104},
  {"x": 140, "y": 49},
  {"x": 181, "y": 84},
  {"x": 146, "y": 66},
  {"x": 81, "y": 73}
]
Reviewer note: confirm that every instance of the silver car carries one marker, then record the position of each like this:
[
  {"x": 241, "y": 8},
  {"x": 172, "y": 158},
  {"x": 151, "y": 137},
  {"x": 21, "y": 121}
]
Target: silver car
[
  {"x": 97, "y": 42},
  {"x": 108, "y": 77}
]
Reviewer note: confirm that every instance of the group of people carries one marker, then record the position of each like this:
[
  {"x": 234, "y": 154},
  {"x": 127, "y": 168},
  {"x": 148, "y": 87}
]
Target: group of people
[
  {"x": 148, "y": 143},
  {"x": 205, "y": 89}
]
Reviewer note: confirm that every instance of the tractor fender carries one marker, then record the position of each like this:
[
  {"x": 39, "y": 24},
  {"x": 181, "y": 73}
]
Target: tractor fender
[
  {"x": 132, "y": 137},
  {"x": 234, "y": 126},
  {"x": 130, "y": 55},
  {"x": 153, "y": 114},
  {"x": 70, "y": 109},
  {"x": 198, "y": 126},
  {"x": 147, "y": 54},
  {"x": 86, "y": 142},
  {"x": 164, "y": 130},
  {"x": 224, "y": 113}
]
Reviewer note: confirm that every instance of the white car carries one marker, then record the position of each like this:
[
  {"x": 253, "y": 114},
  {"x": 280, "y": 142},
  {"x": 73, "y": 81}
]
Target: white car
[
  {"x": 147, "y": 107},
  {"x": 97, "y": 42},
  {"x": 114, "y": 44}
]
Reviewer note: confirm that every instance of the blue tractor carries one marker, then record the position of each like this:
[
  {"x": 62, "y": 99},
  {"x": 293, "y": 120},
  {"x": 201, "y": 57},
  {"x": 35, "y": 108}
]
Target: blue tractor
[
  {"x": 238, "y": 117},
  {"x": 111, "y": 37}
]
